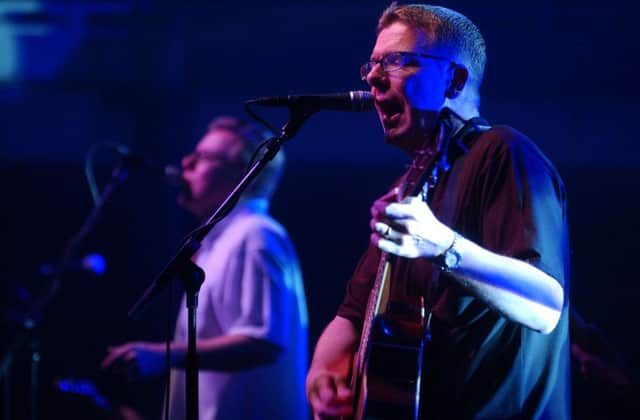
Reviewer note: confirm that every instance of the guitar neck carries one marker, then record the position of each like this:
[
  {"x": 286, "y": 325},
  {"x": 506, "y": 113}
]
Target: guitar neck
[{"x": 376, "y": 304}]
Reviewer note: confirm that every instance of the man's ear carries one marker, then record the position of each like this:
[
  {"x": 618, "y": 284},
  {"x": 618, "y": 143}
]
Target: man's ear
[{"x": 458, "y": 81}]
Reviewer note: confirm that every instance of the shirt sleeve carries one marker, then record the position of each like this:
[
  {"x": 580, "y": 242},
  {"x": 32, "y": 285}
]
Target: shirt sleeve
[
  {"x": 522, "y": 203},
  {"x": 256, "y": 297},
  {"x": 359, "y": 287}
]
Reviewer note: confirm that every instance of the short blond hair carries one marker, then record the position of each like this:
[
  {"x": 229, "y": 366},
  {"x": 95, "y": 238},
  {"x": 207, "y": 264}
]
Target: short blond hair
[
  {"x": 253, "y": 136},
  {"x": 443, "y": 28}
]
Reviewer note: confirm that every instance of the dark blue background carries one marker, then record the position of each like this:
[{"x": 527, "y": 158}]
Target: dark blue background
[{"x": 151, "y": 74}]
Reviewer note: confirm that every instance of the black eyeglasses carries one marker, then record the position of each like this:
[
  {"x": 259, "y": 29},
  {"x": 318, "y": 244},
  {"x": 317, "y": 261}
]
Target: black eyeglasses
[{"x": 395, "y": 61}]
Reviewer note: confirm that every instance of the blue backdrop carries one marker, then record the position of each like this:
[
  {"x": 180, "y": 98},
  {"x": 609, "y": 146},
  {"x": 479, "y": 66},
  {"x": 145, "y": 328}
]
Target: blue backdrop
[{"x": 151, "y": 74}]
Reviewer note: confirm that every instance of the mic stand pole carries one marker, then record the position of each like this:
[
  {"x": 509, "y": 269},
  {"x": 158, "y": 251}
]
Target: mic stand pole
[{"x": 192, "y": 276}]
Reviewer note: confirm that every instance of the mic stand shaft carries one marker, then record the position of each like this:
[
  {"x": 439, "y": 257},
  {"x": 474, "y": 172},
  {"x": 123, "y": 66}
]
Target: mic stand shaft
[{"x": 192, "y": 276}]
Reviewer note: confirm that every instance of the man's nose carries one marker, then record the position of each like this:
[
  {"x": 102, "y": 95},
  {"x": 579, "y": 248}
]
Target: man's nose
[
  {"x": 377, "y": 77},
  {"x": 188, "y": 161}
]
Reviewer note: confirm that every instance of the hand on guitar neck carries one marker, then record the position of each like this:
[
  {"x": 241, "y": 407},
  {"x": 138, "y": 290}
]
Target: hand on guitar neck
[
  {"x": 328, "y": 388},
  {"x": 408, "y": 228}
]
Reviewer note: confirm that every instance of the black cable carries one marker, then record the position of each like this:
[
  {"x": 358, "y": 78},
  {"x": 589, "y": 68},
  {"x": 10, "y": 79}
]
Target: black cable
[
  {"x": 89, "y": 169},
  {"x": 90, "y": 174},
  {"x": 255, "y": 154},
  {"x": 255, "y": 116}
]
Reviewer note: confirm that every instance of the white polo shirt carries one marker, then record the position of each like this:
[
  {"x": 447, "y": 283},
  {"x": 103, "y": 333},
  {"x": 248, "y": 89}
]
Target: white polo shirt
[{"x": 253, "y": 286}]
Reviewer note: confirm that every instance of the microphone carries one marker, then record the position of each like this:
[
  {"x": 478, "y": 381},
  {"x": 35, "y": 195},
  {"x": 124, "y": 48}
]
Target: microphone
[
  {"x": 172, "y": 174},
  {"x": 92, "y": 263},
  {"x": 355, "y": 100}
]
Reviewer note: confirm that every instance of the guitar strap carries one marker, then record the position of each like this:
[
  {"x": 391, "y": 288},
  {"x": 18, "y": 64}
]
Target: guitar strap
[{"x": 464, "y": 139}]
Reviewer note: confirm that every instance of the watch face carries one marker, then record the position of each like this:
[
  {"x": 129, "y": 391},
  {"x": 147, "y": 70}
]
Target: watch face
[{"x": 451, "y": 259}]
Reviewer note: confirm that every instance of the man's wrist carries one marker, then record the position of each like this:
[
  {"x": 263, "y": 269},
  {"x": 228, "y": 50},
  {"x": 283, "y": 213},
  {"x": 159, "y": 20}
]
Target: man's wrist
[{"x": 449, "y": 260}]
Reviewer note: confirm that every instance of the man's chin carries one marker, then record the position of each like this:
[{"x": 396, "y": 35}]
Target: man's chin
[
  {"x": 389, "y": 138},
  {"x": 406, "y": 140},
  {"x": 394, "y": 136}
]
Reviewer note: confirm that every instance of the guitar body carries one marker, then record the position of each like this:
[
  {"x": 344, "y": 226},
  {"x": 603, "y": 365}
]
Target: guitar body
[
  {"x": 387, "y": 368},
  {"x": 389, "y": 387},
  {"x": 387, "y": 372}
]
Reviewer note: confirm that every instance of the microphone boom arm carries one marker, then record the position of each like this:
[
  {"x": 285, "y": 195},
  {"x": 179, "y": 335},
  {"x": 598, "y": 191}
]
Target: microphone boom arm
[{"x": 302, "y": 107}]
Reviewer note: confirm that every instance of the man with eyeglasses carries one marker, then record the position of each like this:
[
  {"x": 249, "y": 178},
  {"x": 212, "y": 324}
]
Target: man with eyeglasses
[
  {"x": 252, "y": 315},
  {"x": 481, "y": 240}
]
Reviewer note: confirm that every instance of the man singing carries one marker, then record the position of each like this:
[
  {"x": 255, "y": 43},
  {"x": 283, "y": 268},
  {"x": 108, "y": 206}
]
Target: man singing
[
  {"x": 252, "y": 315},
  {"x": 484, "y": 243}
]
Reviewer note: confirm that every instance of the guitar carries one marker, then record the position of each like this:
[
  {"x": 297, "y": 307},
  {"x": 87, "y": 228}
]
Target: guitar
[
  {"x": 387, "y": 368},
  {"x": 388, "y": 365}
]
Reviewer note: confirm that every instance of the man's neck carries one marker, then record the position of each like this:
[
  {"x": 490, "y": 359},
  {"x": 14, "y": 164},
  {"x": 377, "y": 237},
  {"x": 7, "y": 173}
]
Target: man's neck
[
  {"x": 464, "y": 107},
  {"x": 432, "y": 135}
]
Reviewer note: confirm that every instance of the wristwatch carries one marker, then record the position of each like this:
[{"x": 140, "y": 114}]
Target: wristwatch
[{"x": 450, "y": 258}]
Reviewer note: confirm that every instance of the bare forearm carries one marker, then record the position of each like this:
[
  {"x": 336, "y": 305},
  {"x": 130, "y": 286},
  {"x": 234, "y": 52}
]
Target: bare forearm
[
  {"x": 327, "y": 386},
  {"x": 334, "y": 351},
  {"x": 518, "y": 290},
  {"x": 227, "y": 353}
]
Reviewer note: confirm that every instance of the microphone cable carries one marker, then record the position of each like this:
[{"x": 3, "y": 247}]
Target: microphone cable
[{"x": 90, "y": 172}]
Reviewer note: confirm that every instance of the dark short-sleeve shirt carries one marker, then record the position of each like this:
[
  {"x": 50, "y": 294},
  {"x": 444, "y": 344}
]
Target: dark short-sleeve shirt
[{"x": 510, "y": 200}]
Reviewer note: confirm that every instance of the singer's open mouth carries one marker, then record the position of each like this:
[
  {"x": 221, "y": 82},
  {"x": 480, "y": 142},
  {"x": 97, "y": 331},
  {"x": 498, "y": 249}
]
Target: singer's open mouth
[{"x": 390, "y": 112}]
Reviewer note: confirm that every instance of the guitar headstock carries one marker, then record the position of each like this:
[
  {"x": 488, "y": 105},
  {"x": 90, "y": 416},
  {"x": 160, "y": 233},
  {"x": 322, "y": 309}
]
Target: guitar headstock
[
  {"x": 429, "y": 162},
  {"x": 420, "y": 170}
]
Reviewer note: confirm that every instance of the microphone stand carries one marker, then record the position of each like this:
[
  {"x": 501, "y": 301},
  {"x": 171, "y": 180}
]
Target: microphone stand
[
  {"x": 27, "y": 336},
  {"x": 181, "y": 266}
]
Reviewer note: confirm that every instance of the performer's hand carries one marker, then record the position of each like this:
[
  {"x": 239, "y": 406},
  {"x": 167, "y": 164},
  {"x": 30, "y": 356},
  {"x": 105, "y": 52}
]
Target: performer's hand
[
  {"x": 409, "y": 229},
  {"x": 378, "y": 210},
  {"x": 136, "y": 360},
  {"x": 330, "y": 397}
]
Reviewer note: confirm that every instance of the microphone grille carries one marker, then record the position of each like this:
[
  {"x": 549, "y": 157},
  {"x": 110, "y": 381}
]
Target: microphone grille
[{"x": 361, "y": 100}]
